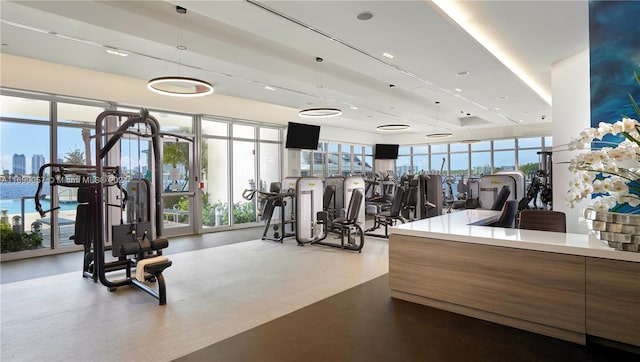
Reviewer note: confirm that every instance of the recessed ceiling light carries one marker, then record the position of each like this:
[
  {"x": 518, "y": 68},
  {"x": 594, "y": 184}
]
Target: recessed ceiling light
[
  {"x": 502, "y": 98},
  {"x": 469, "y": 141},
  {"x": 116, "y": 52},
  {"x": 388, "y": 55},
  {"x": 462, "y": 74},
  {"x": 458, "y": 90},
  {"x": 393, "y": 127},
  {"x": 365, "y": 15},
  {"x": 353, "y": 107},
  {"x": 439, "y": 135},
  {"x": 269, "y": 87}
]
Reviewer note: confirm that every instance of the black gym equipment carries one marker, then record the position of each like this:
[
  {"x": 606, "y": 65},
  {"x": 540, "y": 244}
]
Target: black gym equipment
[
  {"x": 137, "y": 245},
  {"x": 315, "y": 219},
  {"x": 272, "y": 200},
  {"x": 389, "y": 218}
]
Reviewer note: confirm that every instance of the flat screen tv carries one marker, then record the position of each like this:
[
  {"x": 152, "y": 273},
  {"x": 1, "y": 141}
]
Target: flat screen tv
[
  {"x": 386, "y": 152},
  {"x": 302, "y": 136}
]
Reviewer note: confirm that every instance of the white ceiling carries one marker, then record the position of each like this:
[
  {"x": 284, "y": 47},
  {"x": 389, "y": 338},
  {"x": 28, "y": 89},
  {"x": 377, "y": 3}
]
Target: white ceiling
[{"x": 241, "y": 46}]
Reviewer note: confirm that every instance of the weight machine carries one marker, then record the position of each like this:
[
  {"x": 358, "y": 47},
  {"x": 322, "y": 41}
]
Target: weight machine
[
  {"x": 313, "y": 224},
  {"x": 136, "y": 245},
  {"x": 274, "y": 201},
  {"x": 540, "y": 182}
]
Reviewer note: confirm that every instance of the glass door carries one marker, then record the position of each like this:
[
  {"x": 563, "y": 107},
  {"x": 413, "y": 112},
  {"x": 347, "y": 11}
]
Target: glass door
[{"x": 178, "y": 187}]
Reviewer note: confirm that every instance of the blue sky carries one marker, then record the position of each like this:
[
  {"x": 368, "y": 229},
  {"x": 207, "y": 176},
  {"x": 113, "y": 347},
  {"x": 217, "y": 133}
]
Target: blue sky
[
  {"x": 24, "y": 139},
  {"x": 30, "y": 139}
]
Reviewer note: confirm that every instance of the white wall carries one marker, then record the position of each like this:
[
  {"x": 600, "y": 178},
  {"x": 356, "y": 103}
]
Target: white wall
[
  {"x": 571, "y": 113},
  {"x": 34, "y": 75}
]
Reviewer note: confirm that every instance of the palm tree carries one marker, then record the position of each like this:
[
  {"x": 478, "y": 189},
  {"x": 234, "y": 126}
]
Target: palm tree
[
  {"x": 86, "y": 137},
  {"x": 75, "y": 157}
]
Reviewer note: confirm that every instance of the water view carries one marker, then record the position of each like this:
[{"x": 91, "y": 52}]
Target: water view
[{"x": 13, "y": 193}]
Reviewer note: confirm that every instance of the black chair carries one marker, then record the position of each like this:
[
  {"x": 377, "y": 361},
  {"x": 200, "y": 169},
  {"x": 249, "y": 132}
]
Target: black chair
[
  {"x": 502, "y": 197},
  {"x": 388, "y": 218},
  {"x": 544, "y": 220},
  {"x": 353, "y": 210},
  {"x": 347, "y": 226},
  {"x": 508, "y": 216}
]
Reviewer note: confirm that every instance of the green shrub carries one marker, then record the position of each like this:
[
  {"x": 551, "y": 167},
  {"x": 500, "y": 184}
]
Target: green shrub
[
  {"x": 11, "y": 241},
  {"x": 243, "y": 212}
]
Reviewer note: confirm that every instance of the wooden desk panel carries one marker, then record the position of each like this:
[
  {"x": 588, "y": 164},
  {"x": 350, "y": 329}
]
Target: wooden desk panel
[
  {"x": 613, "y": 300},
  {"x": 538, "y": 291}
]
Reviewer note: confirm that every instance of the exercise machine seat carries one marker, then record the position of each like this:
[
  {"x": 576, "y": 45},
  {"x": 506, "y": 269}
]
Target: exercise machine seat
[
  {"x": 396, "y": 207},
  {"x": 502, "y": 197},
  {"x": 327, "y": 196},
  {"x": 508, "y": 216},
  {"x": 351, "y": 216}
]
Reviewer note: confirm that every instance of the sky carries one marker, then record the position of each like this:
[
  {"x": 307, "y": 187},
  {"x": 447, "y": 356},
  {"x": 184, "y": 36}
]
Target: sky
[
  {"x": 24, "y": 139},
  {"x": 13, "y": 140}
]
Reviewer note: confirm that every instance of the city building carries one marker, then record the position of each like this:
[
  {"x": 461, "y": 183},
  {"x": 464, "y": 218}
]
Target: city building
[
  {"x": 36, "y": 162},
  {"x": 19, "y": 164}
]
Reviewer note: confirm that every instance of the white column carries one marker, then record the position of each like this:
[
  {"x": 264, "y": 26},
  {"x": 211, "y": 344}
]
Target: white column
[{"x": 571, "y": 112}]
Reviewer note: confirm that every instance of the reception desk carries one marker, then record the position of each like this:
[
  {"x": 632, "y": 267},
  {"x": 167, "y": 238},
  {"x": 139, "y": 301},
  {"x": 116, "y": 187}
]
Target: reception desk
[{"x": 567, "y": 286}]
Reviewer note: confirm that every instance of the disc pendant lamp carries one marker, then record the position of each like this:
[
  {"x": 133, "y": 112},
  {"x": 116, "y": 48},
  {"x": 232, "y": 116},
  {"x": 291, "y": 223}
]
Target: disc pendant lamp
[
  {"x": 393, "y": 127},
  {"x": 179, "y": 86},
  {"x": 320, "y": 112},
  {"x": 438, "y": 134}
]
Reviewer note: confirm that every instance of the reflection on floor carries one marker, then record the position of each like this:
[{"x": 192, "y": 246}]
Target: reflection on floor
[
  {"x": 252, "y": 301},
  {"x": 365, "y": 324},
  {"x": 17, "y": 270},
  {"x": 212, "y": 294}
]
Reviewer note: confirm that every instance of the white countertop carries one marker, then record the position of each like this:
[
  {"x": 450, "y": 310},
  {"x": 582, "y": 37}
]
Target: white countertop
[{"x": 458, "y": 226}]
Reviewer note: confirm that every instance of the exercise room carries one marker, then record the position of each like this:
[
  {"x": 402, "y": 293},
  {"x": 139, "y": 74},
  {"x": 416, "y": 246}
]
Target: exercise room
[{"x": 319, "y": 181}]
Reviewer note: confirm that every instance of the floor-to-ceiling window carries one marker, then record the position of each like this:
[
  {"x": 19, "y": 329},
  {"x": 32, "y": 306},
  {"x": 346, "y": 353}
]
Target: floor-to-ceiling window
[
  {"x": 504, "y": 155},
  {"x": 74, "y": 146},
  {"x": 40, "y": 128},
  {"x": 243, "y": 173},
  {"x": 33, "y": 127},
  {"x": 480, "y": 159},
  {"x": 458, "y": 169},
  {"x": 420, "y": 158},
  {"x": 178, "y": 185},
  {"x": 403, "y": 163},
  {"x": 346, "y": 157},
  {"x": 332, "y": 159},
  {"x": 236, "y": 159},
  {"x": 214, "y": 179},
  {"x": 438, "y": 159},
  {"x": 25, "y": 145},
  {"x": 270, "y": 162},
  {"x": 528, "y": 157}
]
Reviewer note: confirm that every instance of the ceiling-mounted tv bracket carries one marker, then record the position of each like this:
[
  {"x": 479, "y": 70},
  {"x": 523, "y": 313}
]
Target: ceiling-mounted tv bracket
[{"x": 181, "y": 10}]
